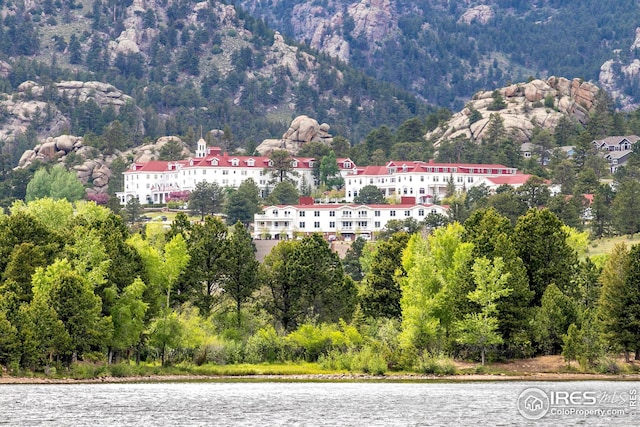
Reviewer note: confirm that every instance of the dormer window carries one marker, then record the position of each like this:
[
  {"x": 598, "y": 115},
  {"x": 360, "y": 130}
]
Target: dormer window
[
  {"x": 270, "y": 163},
  {"x": 133, "y": 167},
  {"x": 191, "y": 162},
  {"x": 294, "y": 163},
  {"x": 214, "y": 162},
  {"x": 234, "y": 162},
  {"x": 347, "y": 165},
  {"x": 311, "y": 163},
  {"x": 251, "y": 162}
]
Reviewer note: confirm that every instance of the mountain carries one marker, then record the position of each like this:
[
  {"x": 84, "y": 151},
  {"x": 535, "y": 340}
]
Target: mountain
[
  {"x": 120, "y": 73},
  {"x": 445, "y": 51}
]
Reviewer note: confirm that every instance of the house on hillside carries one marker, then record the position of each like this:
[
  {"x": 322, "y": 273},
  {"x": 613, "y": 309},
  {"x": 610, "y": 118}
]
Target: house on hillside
[{"x": 616, "y": 149}]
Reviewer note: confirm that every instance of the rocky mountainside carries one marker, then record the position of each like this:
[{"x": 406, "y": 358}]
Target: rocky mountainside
[
  {"x": 170, "y": 67},
  {"x": 444, "y": 51},
  {"x": 522, "y": 107}
]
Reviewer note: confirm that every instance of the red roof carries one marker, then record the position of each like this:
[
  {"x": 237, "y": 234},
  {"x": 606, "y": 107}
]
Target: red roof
[
  {"x": 155, "y": 166},
  {"x": 225, "y": 160},
  {"x": 403, "y": 166},
  {"x": 519, "y": 178},
  {"x": 338, "y": 206}
]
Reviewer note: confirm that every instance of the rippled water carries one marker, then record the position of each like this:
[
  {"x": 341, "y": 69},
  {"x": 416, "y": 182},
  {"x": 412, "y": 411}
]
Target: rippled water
[{"x": 287, "y": 403}]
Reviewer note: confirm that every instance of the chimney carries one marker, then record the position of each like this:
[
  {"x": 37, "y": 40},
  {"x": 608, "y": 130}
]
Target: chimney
[{"x": 305, "y": 200}]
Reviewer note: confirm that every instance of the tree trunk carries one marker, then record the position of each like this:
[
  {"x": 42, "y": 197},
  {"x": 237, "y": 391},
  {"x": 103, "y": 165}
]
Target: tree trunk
[
  {"x": 637, "y": 355},
  {"x": 626, "y": 355},
  {"x": 482, "y": 356}
]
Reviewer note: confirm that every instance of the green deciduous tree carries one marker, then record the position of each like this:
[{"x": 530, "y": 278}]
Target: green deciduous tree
[
  {"x": 436, "y": 269},
  {"x": 481, "y": 329},
  {"x": 57, "y": 184},
  {"x": 71, "y": 296}
]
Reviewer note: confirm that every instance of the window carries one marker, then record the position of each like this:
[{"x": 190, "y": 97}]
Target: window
[
  {"x": 316, "y": 213},
  {"x": 347, "y": 224},
  {"x": 332, "y": 224},
  {"x": 275, "y": 212},
  {"x": 362, "y": 224},
  {"x": 376, "y": 224},
  {"x": 251, "y": 162},
  {"x": 407, "y": 213},
  {"x": 316, "y": 224},
  {"x": 420, "y": 212},
  {"x": 301, "y": 224},
  {"x": 469, "y": 179},
  {"x": 376, "y": 213},
  {"x": 301, "y": 213},
  {"x": 332, "y": 213},
  {"x": 275, "y": 224},
  {"x": 225, "y": 172},
  {"x": 392, "y": 213}
]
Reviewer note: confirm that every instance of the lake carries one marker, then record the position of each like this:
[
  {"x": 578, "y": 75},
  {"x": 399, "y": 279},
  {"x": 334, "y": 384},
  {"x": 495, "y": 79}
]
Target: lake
[{"x": 251, "y": 403}]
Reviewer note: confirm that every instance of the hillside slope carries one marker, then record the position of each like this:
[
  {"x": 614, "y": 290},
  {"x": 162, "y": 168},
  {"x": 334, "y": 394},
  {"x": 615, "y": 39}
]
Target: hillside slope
[
  {"x": 183, "y": 66},
  {"x": 445, "y": 51}
]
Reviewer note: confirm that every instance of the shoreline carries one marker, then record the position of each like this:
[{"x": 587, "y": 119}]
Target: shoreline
[{"x": 537, "y": 376}]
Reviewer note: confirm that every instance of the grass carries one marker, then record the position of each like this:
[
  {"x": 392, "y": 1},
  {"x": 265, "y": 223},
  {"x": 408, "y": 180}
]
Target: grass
[
  {"x": 87, "y": 371},
  {"x": 605, "y": 245}
]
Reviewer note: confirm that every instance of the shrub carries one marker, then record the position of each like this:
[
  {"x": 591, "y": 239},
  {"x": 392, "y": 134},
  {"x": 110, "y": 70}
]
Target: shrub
[
  {"x": 220, "y": 352},
  {"x": 265, "y": 346},
  {"x": 608, "y": 366},
  {"x": 437, "y": 363},
  {"x": 309, "y": 341},
  {"x": 369, "y": 361},
  {"x": 336, "y": 360},
  {"x": 121, "y": 370}
]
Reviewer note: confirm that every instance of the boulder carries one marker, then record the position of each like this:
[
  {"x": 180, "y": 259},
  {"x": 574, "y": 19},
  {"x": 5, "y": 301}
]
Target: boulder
[
  {"x": 303, "y": 129},
  {"x": 48, "y": 150},
  {"x": 65, "y": 142}
]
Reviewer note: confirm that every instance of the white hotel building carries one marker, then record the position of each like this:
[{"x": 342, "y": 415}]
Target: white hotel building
[
  {"x": 424, "y": 181},
  {"x": 332, "y": 220},
  {"x": 154, "y": 181}
]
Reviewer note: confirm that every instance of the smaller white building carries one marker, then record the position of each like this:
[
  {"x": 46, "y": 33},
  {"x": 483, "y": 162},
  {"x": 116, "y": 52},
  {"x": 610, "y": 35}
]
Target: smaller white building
[{"x": 335, "y": 220}]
